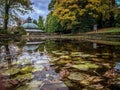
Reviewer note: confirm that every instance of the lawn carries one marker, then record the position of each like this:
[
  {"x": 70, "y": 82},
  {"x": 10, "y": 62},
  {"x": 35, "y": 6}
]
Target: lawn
[{"x": 106, "y": 30}]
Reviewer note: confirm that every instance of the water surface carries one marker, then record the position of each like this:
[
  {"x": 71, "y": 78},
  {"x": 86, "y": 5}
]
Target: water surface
[{"x": 60, "y": 65}]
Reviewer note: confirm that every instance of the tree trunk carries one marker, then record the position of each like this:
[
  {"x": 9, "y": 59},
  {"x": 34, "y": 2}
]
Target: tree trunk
[
  {"x": 6, "y": 18},
  {"x": 112, "y": 19}
]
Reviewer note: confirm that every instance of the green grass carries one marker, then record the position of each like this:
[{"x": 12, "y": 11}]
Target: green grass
[{"x": 106, "y": 30}]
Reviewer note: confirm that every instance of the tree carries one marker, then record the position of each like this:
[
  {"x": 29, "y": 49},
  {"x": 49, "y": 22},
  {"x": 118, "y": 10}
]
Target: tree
[
  {"x": 102, "y": 10},
  {"x": 35, "y": 22},
  {"x": 74, "y": 15},
  {"x": 67, "y": 12},
  {"x": 52, "y": 25},
  {"x": 40, "y": 23},
  {"x": 12, "y": 7},
  {"x": 51, "y": 5}
]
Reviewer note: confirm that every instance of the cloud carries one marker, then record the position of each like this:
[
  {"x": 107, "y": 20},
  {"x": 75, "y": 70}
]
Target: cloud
[{"x": 40, "y": 8}]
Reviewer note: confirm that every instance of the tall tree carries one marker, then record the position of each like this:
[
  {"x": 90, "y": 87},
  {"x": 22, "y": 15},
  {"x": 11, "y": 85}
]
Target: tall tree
[
  {"x": 35, "y": 22},
  {"x": 73, "y": 14},
  {"x": 52, "y": 25},
  {"x": 102, "y": 10},
  {"x": 41, "y": 23},
  {"x": 67, "y": 12},
  {"x": 51, "y": 5},
  {"x": 12, "y": 7}
]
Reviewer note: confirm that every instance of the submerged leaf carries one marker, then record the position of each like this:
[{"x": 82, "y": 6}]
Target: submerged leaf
[
  {"x": 26, "y": 69},
  {"x": 81, "y": 67},
  {"x": 24, "y": 77},
  {"x": 11, "y": 71},
  {"x": 78, "y": 76},
  {"x": 85, "y": 66}
]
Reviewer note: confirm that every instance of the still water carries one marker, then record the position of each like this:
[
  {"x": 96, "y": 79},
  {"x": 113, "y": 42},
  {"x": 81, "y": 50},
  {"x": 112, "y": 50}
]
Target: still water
[{"x": 59, "y": 65}]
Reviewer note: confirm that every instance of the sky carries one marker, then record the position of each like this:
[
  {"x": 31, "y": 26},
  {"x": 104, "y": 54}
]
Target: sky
[
  {"x": 40, "y": 8},
  {"x": 118, "y": 1}
]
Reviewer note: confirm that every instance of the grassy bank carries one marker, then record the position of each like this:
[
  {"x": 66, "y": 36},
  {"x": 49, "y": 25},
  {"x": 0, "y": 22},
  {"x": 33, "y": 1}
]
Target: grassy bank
[{"x": 105, "y": 31}]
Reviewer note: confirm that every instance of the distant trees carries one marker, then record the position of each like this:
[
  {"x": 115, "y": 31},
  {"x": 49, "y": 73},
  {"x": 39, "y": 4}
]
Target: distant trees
[
  {"x": 10, "y": 9},
  {"x": 40, "y": 23},
  {"x": 51, "y": 24},
  {"x": 81, "y": 15}
]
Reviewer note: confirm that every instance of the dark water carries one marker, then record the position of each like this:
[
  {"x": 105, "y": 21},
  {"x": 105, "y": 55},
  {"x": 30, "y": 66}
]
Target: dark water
[{"x": 60, "y": 65}]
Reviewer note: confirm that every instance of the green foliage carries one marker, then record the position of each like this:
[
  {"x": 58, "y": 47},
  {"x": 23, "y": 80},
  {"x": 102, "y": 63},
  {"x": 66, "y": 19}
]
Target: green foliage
[
  {"x": 87, "y": 23},
  {"x": 67, "y": 12},
  {"x": 35, "y": 22},
  {"x": 52, "y": 25},
  {"x": 117, "y": 21},
  {"x": 40, "y": 23},
  {"x": 81, "y": 15},
  {"x": 51, "y": 5}
]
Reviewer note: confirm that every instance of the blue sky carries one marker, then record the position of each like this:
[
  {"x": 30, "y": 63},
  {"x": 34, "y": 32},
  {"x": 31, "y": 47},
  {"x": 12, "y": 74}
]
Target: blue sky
[
  {"x": 40, "y": 8},
  {"x": 118, "y": 1}
]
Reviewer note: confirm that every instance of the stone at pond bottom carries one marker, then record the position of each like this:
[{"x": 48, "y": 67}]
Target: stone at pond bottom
[
  {"x": 64, "y": 73},
  {"x": 59, "y": 85},
  {"x": 77, "y": 76}
]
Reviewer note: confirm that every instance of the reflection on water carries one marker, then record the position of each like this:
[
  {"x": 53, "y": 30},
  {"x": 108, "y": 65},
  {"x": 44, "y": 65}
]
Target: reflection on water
[
  {"x": 60, "y": 65},
  {"x": 2, "y": 53},
  {"x": 29, "y": 69}
]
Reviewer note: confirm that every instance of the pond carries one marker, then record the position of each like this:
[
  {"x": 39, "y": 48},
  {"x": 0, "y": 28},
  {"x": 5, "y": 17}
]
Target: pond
[{"x": 59, "y": 65}]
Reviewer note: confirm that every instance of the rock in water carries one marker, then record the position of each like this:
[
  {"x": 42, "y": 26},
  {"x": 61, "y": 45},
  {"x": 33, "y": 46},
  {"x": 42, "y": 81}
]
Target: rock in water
[{"x": 54, "y": 86}]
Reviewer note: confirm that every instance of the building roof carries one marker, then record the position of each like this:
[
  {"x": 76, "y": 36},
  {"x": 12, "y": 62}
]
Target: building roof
[{"x": 29, "y": 24}]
